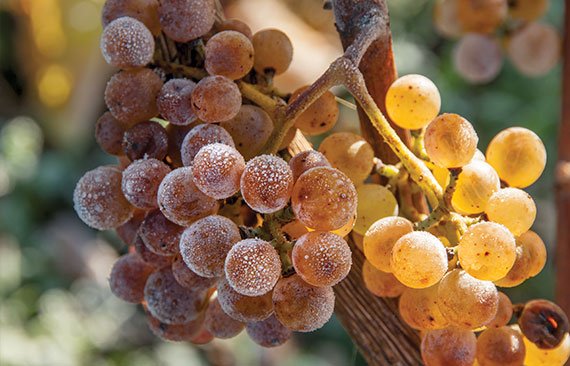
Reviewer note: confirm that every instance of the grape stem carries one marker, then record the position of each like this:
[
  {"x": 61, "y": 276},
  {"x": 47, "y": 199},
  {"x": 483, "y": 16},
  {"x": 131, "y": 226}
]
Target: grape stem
[{"x": 272, "y": 223}]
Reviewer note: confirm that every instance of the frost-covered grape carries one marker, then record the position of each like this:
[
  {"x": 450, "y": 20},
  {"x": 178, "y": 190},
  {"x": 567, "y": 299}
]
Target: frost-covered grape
[
  {"x": 252, "y": 267},
  {"x": 450, "y": 140},
  {"x": 478, "y": 58},
  {"x": 300, "y": 306},
  {"x": 250, "y": 129},
  {"x": 185, "y": 20},
  {"x": 533, "y": 244},
  {"x": 267, "y": 183},
  {"x": 145, "y": 140},
  {"x": 128, "y": 232},
  {"x": 206, "y": 243},
  {"x": 513, "y": 208},
  {"x": 418, "y": 260},
  {"x": 160, "y": 235},
  {"x": 381, "y": 283},
  {"x": 141, "y": 180},
  {"x": 269, "y": 332},
  {"x": 475, "y": 185},
  {"x": 145, "y": 11},
  {"x": 181, "y": 201},
  {"x": 127, "y": 43},
  {"x": 324, "y": 198},
  {"x": 450, "y": 346},
  {"x": 320, "y": 116},
  {"x": 306, "y": 160},
  {"x": 200, "y": 136},
  {"x": 128, "y": 277},
  {"x": 420, "y": 310},
  {"x": 502, "y": 346},
  {"x": 273, "y": 51},
  {"x": 374, "y": 203},
  {"x": 504, "y": 312},
  {"x": 188, "y": 278},
  {"x": 217, "y": 169},
  {"x": 528, "y": 10},
  {"x": 230, "y": 54},
  {"x": 234, "y": 25},
  {"x": 536, "y": 356},
  {"x": 349, "y": 153},
  {"x": 220, "y": 324},
  {"x": 99, "y": 201},
  {"x": 174, "y": 332},
  {"x": 244, "y": 308},
  {"x": 109, "y": 134},
  {"x": 216, "y": 99},
  {"x": 380, "y": 239},
  {"x": 175, "y": 103},
  {"x": 321, "y": 258},
  {"x": 535, "y": 49},
  {"x": 155, "y": 260},
  {"x": 482, "y": 16},
  {"x": 465, "y": 301}
]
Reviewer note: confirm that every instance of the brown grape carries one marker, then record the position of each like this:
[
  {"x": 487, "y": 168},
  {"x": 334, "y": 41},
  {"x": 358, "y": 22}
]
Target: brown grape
[
  {"x": 533, "y": 244},
  {"x": 519, "y": 272},
  {"x": 294, "y": 229},
  {"x": 244, "y": 308},
  {"x": 185, "y": 20},
  {"x": 235, "y": 25},
  {"x": 420, "y": 310},
  {"x": 216, "y": 99},
  {"x": 109, "y": 134},
  {"x": 127, "y": 43},
  {"x": 128, "y": 232},
  {"x": 220, "y": 324},
  {"x": 320, "y": 116},
  {"x": 128, "y": 277},
  {"x": 449, "y": 347},
  {"x": 269, "y": 332},
  {"x": 176, "y": 135},
  {"x": 306, "y": 160},
  {"x": 145, "y": 140},
  {"x": 141, "y": 180},
  {"x": 350, "y": 154},
  {"x": 535, "y": 49},
  {"x": 200, "y": 136},
  {"x": 504, "y": 312},
  {"x": 380, "y": 239},
  {"x": 160, "y": 235},
  {"x": 502, "y": 346},
  {"x": 174, "y": 332},
  {"x": 230, "y": 54},
  {"x": 450, "y": 140},
  {"x": 273, "y": 51},
  {"x": 174, "y": 101},
  {"x": 482, "y": 16},
  {"x": 543, "y": 323},
  {"x": 250, "y": 129},
  {"x": 146, "y": 11},
  {"x": 380, "y": 283},
  {"x": 188, "y": 278},
  {"x": 155, "y": 260}
]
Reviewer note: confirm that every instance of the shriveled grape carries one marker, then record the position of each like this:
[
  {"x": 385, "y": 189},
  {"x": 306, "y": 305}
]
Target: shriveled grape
[
  {"x": 381, "y": 283},
  {"x": 250, "y": 129},
  {"x": 220, "y": 324},
  {"x": 374, "y": 203},
  {"x": 127, "y": 43},
  {"x": 475, "y": 185},
  {"x": 269, "y": 332},
  {"x": 306, "y": 160},
  {"x": 273, "y": 51},
  {"x": 109, "y": 134},
  {"x": 141, "y": 180},
  {"x": 217, "y": 169},
  {"x": 128, "y": 277},
  {"x": 160, "y": 235},
  {"x": 320, "y": 116},
  {"x": 502, "y": 346},
  {"x": 145, "y": 140},
  {"x": 350, "y": 154},
  {"x": 450, "y": 140},
  {"x": 420, "y": 310},
  {"x": 230, "y": 54},
  {"x": 175, "y": 102},
  {"x": 543, "y": 323},
  {"x": 185, "y": 20},
  {"x": 244, "y": 308},
  {"x": 450, "y": 346},
  {"x": 380, "y": 239},
  {"x": 216, "y": 99}
]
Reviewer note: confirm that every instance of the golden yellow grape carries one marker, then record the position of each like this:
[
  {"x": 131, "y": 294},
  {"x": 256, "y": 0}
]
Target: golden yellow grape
[
  {"x": 450, "y": 140},
  {"x": 475, "y": 185},
  {"x": 533, "y": 244},
  {"x": 547, "y": 357},
  {"x": 419, "y": 308},
  {"x": 380, "y": 239},
  {"x": 374, "y": 202},
  {"x": 350, "y": 154},
  {"x": 513, "y": 208},
  {"x": 380, "y": 283}
]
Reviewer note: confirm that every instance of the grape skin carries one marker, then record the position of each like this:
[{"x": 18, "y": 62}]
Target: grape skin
[
  {"x": 375, "y": 202},
  {"x": 155, "y": 260},
  {"x": 269, "y": 332},
  {"x": 126, "y": 43},
  {"x": 230, "y": 54},
  {"x": 128, "y": 278},
  {"x": 320, "y": 116},
  {"x": 273, "y": 51},
  {"x": 419, "y": 308},
  {"x": 450, "y": 140},
  {"x": 235, "y": 25},
  {"x": 160, "y": 235},
  {"x": 141, "y": 180},
  {"x": 200, "y": 136},
  {"x": 475, "y": 185},
  {"x": 449, "y": 347},
  {"x": 146, "y": 11},
  {"x": 189, "y": 279},
  {"x": 519, "y": 272},
  {"x": 128, "y": 232},
  {"x": 244, "y": 308},
  {"x": 533, "y": 244},
  {"x": 219, "y": 323},
  {"x": 216, "y": 99},
  {"x": 145, "y": 140},
  {"x": 109, "y": 134},
  {"x": 513, "y": 208},
  {"x": 174, "y": 101},
  {"x": 350, "y": 154},
  {"x": 381, "y": 283},
  {"x": 306, "y": 160},
  {"x": 185, "y": 20},
  {"x": 380, "y": 238},
  {"x": 500, "y": 347}
]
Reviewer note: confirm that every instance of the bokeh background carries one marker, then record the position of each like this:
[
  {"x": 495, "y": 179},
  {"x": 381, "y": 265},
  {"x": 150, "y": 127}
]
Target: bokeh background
[{"x": 55, "y": 305}]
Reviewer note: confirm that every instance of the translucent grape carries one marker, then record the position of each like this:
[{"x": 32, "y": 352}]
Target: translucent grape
[
  {"x": 174, "y": 332},
  {"x": 109, "y": 134},
  {"x": 321, "y": 258},
  {"x": 200, "y": 136},
  {"x": 131, "y": 95},
  {"x": 465, "y": 301},
  {"x": 273, "y": 51},
  {"x": 478, "y": 58},
  {"x": 160, "y": 235},
  {"x": 181, "y": 201},
  {"x": 128, "y": 277},
  {"x": 533, "y": 244},
  {"x": 206, "y": 243},
  {"x": 99, "y": 201},
  {"x": 127, "y": 43},
  {"x": 412, "y": 101},
  {"x": 450, "y": 346},
  {"x": 128, "y": 232},
  {"x": 306, "y": 160},
  {"x": 175, "y": 102},
  {"x": 418, "y": 260},
  {"x": 481, "y": 16},
  {"x": 487, "y": 251},
  {"x": 250, "y": 129},
  {"x": 302, "y": 307},
  {"x": 155, "y": 260},
  {"x": 547, "y": 357},
  {"x": 419, "y": 308},
  {"x": 381, "y": 283},
  {"x": 450, "y": 140},
  {"x": 141, "y": 180},
  {"x": 504, "y": 312},
  {"x": 269, "y": 332},
  {"x": 324, "y": 199},
  {"x": 235, "y": 25},
  {"x": 244, "y": 308},
  {"x": 267, "y": 183},
  {"x": 380, "y": 239},
  {"x": 189, "y": 279},
  {"x": 145, "y": 11},
  {"x": 445, "y": 19},
  {"x": 513, "y": 208},
  {"x": 217, "y": 169},
  {"x": 500, "y": 347},
  {"x": 230, "y": 54},
  {"x": 320, "y": 116},
  {"x": 145, "y": 140},
  {"x": 543, "y": 323},
  {"x": 350, "y": 154},
  {"x": 346, "y": 228},
  {"x": 519, "y": 272},
  {"x": 535, "y": 49},
  {"x": 374, "y": 203},
  {"x": 518, "y": 155},
  {"x": 185, "y": 20},
  {"x": 528, "y": 10},
  {"x": 220, "y": 324},
  {"x": 475, "y": 185},
  {"x": 216, "y": 99}
]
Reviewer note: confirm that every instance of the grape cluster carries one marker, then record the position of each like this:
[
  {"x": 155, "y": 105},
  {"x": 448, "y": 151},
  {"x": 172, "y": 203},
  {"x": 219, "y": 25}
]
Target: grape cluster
[{"x": 490, "y": 30}]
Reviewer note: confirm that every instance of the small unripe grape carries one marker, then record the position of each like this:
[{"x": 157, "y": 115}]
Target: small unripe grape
[
  {"x": 412, "y": 101},
  {"x": 300, "y": 306},
  {"x": 445, "y": 19},
  {"x": 502, "y": 346},
  {"x": 536, "y": 356},
  {"x": 518, "y": 155},
  {"x": 155, "y": 260},
  {"x": 185, "y": 20},
  {"x": 160, "y": 235},
  {"x": 235, "y": 25},
  {"x": 306, "y": 160},
  {"x": 482, "y": 16},
  {"x": 141, "y": 180},
  {"x": 244, "y": 308},
  {"x": 465, "y": 301},
  {"x": 543, "y": 323},
  {"x": 109, "y": 134},
  {"x": 374, "y": 203},
  {"x": 535, "y": 49},
  {"x": 450, "y": 346},
  {"x": 127, "y": 43},
  {"x": 200, "y": 136},
  {"x": 324, "y": 199},
  {"x": 475, "y": 185},
  {"x": 528, "y": 10},
  {"x": 250, "y": 129},
  {"x": 320, "y": 116},
  {"x": 420, "y": 310},
  {"x": 533, "y": 244},
  {"x": 269, "y": 332},
  {"x": 128, "y": 277},
  {"x": 266, "y": 183},
  {"x": 350, "y": 154},
  {"x": 188, "y": 278},
  {"x": 273, "y": 51},
  {"x": 145, "y": 140},
  {"x": 504, "y": 312},
  {"x": 418, "y": 259},
  {"x": 478, "y": 58},
  {"x": 380, "y": 283},
  {"x": 216, "y": 99},
  {"x": 220, "y": 324},
  {"x": 175, "y": 101},
  {"x": 513, "y": 208},
  {"x": 174, "y": 332},
  {"x": 230, "y": 54},
  {"x": 450, "y": 140}
]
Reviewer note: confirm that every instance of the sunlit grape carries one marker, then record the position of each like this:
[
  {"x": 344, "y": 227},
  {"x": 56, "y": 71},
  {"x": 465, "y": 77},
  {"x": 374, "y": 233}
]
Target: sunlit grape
[
  {"x": 306, "y": 160},
  {"x": 475, "y": 185},
  {"x": 350, "y": 154},
  {"x": 200, "y": 136},
  {"x": 127, "y": 43},
  {"x": 500, "y": 347},
  {"x": 381, "y": 237},
  {"x": 216, "y": 99},
  {"x": 419, "y": 308},
  {"x": 229, "y": 54},
  {"x": 547, "y": 357},
  {"x": 450, "y": 140},
  {"x": 504, "y": 312},
  {"x": 141, "y": 180},
  {"x": 217, "y": 169},
  {"x": 320, "y": 116},
  {"x": 513, "y": 208},
  {"x": 450, "y": 346},
  {"x": 380, "y": 283},
  {"x": 533, "y": 244},
  {"x": 273, "y": 51},
  {"x": 374, "y": 202}
]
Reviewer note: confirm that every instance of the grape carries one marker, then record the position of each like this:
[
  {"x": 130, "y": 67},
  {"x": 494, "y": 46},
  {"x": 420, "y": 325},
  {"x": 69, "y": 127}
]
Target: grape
[
  {"x": 500, "y": 347},
  {"x": 449, "y": 347},
  {"x": 478, "y": 58},
  {"x": 321, "y": 258},
  {"x": 306, "y": 160},
  {"x": 155, "y": 260},
  {"x": 513, "y": 208},
  {"x": 141, "y": 180},
  {"x": 412, "y": 101},
  {"x": 418, "y": 260},
  {"x": 216, "y": 99},
  {"x": 170, "y": 302},
  {"x": 465, "y": 301},
  {"x": 180, "y": 200},
  {"x": 445, "y": 19},
  {"x": 266, "y": 183},
  {"x": 535, "y": 49},
  {"x": 126, "y": 43},
  {"x": 206, "y": 243},
  {"x": 504, "y": 312},
  {"x": 217, "y": 169},
  {"x": 174, "y": 101},
  {"x": 543, "y": 323},
  {"x": 487, "y": 251},
  {"x": 250, "y": 129},
  {"x": 273, "y": 51},
  {"x": 185, "y": 20},
  {"x": 519, "y": 271},
  {"x": 380, "y": 283},
  {"x": 146, "y": 11},
  {"x": 450, "y": 141},
  {"x": 481, "y": 16},
  {"x": 269, "y": 332},
  {"x": 99, "y": 200},
  {"x": 345, "y": 229},
  {"x": 518, "y": 155},
  {"x": 189, "y": 279},
  {"x": 203, "y": 337},
  {"x": 419, "y": 308},
  {"x": 350, "y": 154},
  {"x": 324, "y": 199},
  {"x": 200, "y": 136},
  {"x": 547, "y": 357},
  {"x": 235, "y": 25},
  {"x": 128, "y": 277},
  {"x": 131, "y": 95},
  {"x": 478, "y": 155},
  {"x": 230, "y": 54},
  {"x": 145, "y": 140},
  {"x": 531, "y": 243},
  {"x": 320, "y": 116},
  {"x": 244, "y": 308},
  {"x": 160, "y": 235},
  {"x": 374, "y": 203},
  {"x": 475, "y": 185},
  {"x": 109, "y": 134},
  {"x": 220, "y": 324},
  {"x": 294, "y": 229},
  {"x": 128, "y": 232},
  {"x": 176, "y": 135},
  {"x": 174, "y": 332},
  {"x": 300, "y": 306},
  {"x": 380, "y": 239},
  {"x": 528, "y": 10}
]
